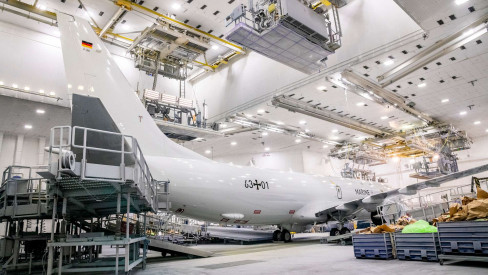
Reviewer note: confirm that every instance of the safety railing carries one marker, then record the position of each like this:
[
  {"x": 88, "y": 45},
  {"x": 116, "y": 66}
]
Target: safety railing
[
  {"x": 59, "y": 141},
  {"x": 18, "y": 182},
  {"x": 429, "y": 205},
  {"x": 141, "y": 175}
]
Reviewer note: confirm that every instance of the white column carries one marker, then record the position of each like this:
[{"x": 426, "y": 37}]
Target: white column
[
  {"x": 40, "y": 151},
  {"x": 1, "y": 141},
  {"x": 19, "y": 146}
]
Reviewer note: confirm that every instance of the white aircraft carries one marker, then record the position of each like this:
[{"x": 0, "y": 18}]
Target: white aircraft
[{"x": 201, "y": 188}]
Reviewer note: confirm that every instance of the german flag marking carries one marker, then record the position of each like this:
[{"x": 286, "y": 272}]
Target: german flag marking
[{"x": 86, "y": 44}]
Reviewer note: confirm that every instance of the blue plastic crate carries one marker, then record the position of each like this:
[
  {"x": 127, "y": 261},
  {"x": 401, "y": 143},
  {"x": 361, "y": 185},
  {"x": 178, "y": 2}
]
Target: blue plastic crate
[
  {"x": 464, "y": 238},
  {"x": 373, "y": 246},
  {"x": 417, "y": 246}
]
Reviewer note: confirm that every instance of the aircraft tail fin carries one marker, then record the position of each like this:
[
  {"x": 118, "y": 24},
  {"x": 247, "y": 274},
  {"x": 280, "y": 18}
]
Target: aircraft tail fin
[{"x": 92, "y": 72}]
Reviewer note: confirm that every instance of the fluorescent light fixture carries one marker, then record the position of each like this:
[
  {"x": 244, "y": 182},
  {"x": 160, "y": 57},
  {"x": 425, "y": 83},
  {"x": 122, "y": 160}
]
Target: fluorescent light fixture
[
  {"x": 260, "y": 111},
  {"x": 298, "y": 140},
  {"x": 208, "y": 152},
  {"x": 52, "y": 93},
  {"x": 384, "y": 117},
  {"x": 81, "y": 88},
  {"x": 28, "y": 126},
  {"x": 280, "y": 123},
  {"x": 335, "y": 131},
  {"x": 445, "y": 100},
  {"x": 40, "y": 111},
  {"x": 421, "y": 85},
  {"x": 248, "y": 115},
  {"x": 27, "y": 88},
  {"x": 266, "y": 148},
  {"x": 325, "y": 146},
  {"x": 15, "y": 86},
  {"x": 468, "y": 32},
  {"x": 215, "y": 47},
  {"x": 321, "y": 88},
  {"x": 359, "y": 104},
  {"x": 176, "y": 6},
  {"x": 302, "y": 122},
  {"x": 338, "y": 82},
  {"x": 264, "y": 134},
  {"x": 477, "y": 122},
  {"x": 43, "y": 8},
  {"x": 41, "y": 91},
  {"x": 486, "y": 130},
  {"x": 463, "y": 113},
  {"x": 70, "y": 86},
  {"x": 273, "y": 129},
  {"x": 460, "y": 2},
  {"x": 334, "y": 137},
  {"x": 412, "y": 161},
  {"x": 307, "y": 130},
  {"x": 1, "y": 82},
  {"x": 396, "y": 159},
  {"x": 388, "y": 62},
  {"x": 223, "y": 125},
  {"x": 245, "y": 123},
  {"x": 233, "y": 143}
]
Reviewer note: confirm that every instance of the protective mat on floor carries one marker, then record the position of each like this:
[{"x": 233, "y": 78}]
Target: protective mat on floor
[{"x": 229, "y": 264}]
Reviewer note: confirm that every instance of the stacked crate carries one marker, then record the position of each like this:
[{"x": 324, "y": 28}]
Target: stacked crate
[
  {"x": 417, "y": 246},
  {"x": 464, "y": 238},
  {"x": 373, "y": 246}
]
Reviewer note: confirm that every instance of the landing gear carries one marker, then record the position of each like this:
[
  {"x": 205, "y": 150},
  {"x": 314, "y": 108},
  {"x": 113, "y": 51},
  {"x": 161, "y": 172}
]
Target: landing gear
[
  {"x": 276, "y": 235},
  {"x": 335, "y": 232},
  {"x": 282, "y": 235},
  {"x": 344, "y": 230},
  {"x": 285, "y": 236},
  {"x": 376, "y": 219}
]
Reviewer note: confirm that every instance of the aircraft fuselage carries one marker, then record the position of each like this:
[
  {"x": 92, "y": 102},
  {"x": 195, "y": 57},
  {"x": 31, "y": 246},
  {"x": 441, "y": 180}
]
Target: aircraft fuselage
[{"x": 233, "y": 194}]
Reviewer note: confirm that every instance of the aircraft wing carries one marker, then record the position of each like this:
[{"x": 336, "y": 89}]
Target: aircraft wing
[{"x": 346, "y": 210}]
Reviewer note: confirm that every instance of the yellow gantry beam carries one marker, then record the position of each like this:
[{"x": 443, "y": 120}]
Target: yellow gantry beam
[
  {"x": 98, "y": 30},
  {"x": 130, "y": 5}
]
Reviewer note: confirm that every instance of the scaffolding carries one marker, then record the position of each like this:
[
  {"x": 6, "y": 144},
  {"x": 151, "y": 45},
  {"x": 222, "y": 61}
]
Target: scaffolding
[{"x": 79, "y": 205}]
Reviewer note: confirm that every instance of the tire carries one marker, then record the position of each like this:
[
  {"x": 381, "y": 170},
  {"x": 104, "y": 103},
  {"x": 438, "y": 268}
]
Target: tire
[
  {"x": 335, "y": 232},
  {"x": 276, "y": 235},
  {"x": 376, "y": 219},
  {"x": 286, "y": 236},
  {"x": 344, "y": 230}
]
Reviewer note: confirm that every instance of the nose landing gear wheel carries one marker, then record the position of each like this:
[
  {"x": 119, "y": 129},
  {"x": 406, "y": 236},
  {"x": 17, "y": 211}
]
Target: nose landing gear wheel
[
  {"x": 335, "y": 232},
  {"x": 285, "y": 236}
]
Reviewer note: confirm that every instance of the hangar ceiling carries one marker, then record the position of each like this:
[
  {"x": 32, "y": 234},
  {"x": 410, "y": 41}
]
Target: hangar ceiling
[
  {"x": 454, "y": 91},
  {"x": 455, "y": 83}
]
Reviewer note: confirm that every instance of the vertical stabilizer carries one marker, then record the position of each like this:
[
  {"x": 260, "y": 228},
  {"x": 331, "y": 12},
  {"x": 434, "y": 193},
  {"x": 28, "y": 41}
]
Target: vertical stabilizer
[{"x": 91, "y": 71}]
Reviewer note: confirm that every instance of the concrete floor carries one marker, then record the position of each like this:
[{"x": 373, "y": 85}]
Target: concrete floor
[{"x": 299, "y": 257}]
